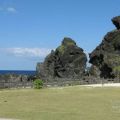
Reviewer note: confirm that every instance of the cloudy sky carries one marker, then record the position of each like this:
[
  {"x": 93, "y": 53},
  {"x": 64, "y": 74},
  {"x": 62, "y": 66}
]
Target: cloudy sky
[{"x": 29, "y": 29}]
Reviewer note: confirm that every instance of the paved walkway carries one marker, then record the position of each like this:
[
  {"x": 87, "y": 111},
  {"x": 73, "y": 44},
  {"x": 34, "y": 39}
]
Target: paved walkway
[{"x": 104, "y": 85}]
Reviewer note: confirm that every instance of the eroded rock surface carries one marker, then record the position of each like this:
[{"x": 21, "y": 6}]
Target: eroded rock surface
[
  {"x": 116, "y": 21},
  {"x": 67, "y": 61},
  {"x": 106, "y": 56}
]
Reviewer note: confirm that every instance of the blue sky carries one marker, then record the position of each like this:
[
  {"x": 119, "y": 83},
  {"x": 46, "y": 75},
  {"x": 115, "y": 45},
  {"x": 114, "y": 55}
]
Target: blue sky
[{"x": 31, "y": 28}]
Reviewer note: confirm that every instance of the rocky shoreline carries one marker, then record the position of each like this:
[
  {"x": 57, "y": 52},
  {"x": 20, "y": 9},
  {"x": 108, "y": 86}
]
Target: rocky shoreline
[{"x": 15, "y": 80}]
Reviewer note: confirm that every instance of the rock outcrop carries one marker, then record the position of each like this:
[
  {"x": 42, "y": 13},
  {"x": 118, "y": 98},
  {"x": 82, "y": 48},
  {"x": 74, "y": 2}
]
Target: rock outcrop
[
  {"x": 116, "y": 22},
  {"x": 106, "y": 56},
  {"x": 94, "y": 71},
  {"x": 67, "y": 61},
  {"x": 16, "y": 80}
]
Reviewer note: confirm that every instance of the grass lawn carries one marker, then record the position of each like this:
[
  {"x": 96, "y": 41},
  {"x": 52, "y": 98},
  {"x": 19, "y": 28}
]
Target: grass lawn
[{"x": 68, "y": 103}]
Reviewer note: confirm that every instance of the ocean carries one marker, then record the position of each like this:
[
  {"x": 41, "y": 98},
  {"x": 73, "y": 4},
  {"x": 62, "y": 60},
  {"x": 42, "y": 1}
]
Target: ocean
[{"x": 18, "y": 72}]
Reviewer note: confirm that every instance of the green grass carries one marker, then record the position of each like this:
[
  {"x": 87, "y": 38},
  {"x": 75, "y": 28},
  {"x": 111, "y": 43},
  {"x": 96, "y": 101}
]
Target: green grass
[{"x": 69, "y": 103}]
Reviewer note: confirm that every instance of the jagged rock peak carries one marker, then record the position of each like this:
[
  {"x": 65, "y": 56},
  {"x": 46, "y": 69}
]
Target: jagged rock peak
[
  {"x": 67, "y": 61},
  {"x": 116, "y": 21},
  {"x": 68, "y": 41}
]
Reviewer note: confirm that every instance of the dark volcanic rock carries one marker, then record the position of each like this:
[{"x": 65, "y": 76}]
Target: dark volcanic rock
[
  {"x": 106, "y": 56},
  {"x": 94, "y": 71},
  {"x": 15, "y": 78},
  {"x": 116, "y": 21},
  {"x": 67, "y": 61}
]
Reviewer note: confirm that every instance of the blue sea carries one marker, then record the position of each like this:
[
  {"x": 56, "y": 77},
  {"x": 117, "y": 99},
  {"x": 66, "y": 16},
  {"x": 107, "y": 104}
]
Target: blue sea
[{"x": 18, "y": 72}]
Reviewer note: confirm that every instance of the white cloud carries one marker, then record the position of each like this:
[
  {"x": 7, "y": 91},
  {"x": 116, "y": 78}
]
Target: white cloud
[
  {"x": 11, "y": 9},
  {"x": 27, "y": 52},
  {"x": 8, "y": 9}
]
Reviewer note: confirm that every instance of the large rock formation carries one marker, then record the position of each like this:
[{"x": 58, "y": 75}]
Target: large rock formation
[
  {"x": 106, "y": 56},
  {"x": 67, "y": 61}
]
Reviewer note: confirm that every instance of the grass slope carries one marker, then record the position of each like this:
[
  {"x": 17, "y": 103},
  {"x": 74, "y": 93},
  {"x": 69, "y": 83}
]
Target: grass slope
[{"x": 69, "y": 103}]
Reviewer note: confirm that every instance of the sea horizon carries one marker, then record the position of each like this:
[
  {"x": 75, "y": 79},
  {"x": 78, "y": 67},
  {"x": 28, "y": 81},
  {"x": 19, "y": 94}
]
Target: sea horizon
[{"x": 19, "y": 72}]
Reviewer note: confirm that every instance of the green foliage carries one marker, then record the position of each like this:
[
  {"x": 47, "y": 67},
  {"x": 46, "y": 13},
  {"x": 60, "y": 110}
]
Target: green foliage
[
  {"x": 38, "y": 84},
  {"x": 61, "y": 49},
  {"x": 117, "y": 68},
  {"x": 66, "y": 43},
  {"x": 70, "y": 43}
]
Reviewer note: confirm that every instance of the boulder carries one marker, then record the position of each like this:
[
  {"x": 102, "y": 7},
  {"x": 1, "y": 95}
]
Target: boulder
[
  {"x": 106, "y": 56},
  {"x": 67, "y": 61}
]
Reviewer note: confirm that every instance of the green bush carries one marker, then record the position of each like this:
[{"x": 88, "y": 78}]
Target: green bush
[{"x": 38, "y": 84}]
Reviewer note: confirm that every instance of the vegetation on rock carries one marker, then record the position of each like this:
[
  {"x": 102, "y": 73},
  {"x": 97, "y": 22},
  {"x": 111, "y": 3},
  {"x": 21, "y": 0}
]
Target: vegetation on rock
[{"x": 67, "y": 61}]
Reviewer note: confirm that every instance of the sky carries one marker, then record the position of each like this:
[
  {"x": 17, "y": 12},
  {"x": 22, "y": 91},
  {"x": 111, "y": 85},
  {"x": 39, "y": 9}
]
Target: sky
[{"x": 29, "y": 29}]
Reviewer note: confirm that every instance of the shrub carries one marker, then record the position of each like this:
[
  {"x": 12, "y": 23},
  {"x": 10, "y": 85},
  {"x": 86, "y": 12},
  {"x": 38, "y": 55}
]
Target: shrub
[{"x": 38, "y": 84}]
